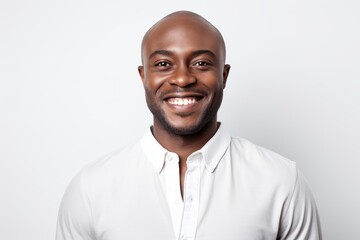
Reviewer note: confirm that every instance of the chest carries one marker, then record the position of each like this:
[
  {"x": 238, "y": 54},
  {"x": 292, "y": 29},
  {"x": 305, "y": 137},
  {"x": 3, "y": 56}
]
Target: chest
[{"x": 225, "y": 207}]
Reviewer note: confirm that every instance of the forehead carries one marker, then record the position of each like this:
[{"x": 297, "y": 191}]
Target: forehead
[{"x": 183, "y": 33}]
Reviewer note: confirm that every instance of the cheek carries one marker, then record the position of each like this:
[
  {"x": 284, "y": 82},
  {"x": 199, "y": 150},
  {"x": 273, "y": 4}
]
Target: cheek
[
  {"x": 213, "y": 81},
  {"x": 153, "y": 82}
]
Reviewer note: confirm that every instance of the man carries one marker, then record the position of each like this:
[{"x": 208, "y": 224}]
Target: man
[{"x": 187, "y": 178}]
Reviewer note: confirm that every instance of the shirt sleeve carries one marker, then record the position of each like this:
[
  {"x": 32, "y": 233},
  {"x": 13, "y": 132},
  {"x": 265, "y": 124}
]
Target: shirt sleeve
[
  {"x": 300, "y": 219},
  {"x": 74, "y": 218}
]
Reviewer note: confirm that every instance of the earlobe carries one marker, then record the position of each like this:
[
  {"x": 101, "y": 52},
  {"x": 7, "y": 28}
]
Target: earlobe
[
  {"x": 141, "y": 72},
  {"x": 226, "y": 74}
]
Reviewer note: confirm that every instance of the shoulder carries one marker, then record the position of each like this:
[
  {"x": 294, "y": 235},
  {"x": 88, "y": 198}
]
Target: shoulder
[
  {"x": 262, "y": 163},
  {"x": 256, "y": 154},
  {"x": 277, "y": 179},
  {"x": 88, "y": 188},
  {"x": 114, "y": 159},
  {"x": 113, "y": 166}
]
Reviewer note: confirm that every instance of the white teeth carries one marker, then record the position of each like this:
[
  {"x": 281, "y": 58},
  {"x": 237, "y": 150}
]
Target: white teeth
[{"x": 182, "y": 101}]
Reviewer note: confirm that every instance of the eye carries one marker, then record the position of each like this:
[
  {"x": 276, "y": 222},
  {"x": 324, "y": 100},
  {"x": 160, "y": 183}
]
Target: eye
[
  {"x": 201, "y": 63},
  {"x": 162, "y": 65}
]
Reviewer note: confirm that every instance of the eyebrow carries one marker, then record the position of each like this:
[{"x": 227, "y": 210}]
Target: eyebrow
[
  {"x": 161, "y": 52},
  {"x": 199, "y": 52},
  {"x": 195, "y": 53}
]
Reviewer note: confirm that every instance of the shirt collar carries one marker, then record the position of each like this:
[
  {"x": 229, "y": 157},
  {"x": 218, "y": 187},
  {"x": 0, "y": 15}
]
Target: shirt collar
[
  {"x": 215, "y": 148},
  {"x": 211, "y": 152},
  {"x": 153, "y": 150}
]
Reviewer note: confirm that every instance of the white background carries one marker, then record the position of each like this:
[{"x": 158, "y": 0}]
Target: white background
[{"x": 70, "y": 93}]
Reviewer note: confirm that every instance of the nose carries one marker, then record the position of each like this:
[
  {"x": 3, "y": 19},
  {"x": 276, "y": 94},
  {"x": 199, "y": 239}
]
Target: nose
[{"x": 182, "y": 77}]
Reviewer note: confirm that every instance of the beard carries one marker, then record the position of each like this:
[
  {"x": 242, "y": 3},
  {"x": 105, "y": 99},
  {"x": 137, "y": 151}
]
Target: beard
[{"x": 205, "y": 118}]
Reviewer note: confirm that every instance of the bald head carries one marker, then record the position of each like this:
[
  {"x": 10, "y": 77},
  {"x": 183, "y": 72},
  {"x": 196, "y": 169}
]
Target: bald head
[{"x": 187, "y": 21}]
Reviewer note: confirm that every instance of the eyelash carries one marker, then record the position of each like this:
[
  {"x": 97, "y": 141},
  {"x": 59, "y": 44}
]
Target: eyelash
[
  {"x": 202, "y": 63},
  {"x": 164, "y": 65}
]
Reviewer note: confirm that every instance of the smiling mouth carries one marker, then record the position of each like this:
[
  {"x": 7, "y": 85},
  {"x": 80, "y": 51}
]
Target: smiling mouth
[{"x": 185, "y": 101}]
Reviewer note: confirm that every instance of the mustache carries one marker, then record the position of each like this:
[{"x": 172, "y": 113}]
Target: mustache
[{"x": 181, "y": 90}]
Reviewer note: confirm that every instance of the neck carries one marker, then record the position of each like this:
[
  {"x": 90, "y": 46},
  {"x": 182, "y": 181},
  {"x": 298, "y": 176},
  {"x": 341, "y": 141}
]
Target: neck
[{"x": 184, "y": 145}]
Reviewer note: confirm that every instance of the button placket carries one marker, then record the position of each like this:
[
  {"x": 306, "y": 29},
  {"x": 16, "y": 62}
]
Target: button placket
[
  {"x": 191, "y": 198},
  {"x": 172, "y": 179}
]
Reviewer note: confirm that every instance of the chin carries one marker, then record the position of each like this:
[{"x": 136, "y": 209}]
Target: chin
[
  {"x": 183, "y": 131},
  {"x": 184, "y": 125},
  {"x": 184, "y": 128}
]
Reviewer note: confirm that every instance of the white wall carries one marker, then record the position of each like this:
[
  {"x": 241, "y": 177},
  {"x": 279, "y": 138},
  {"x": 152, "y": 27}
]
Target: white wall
[{"x": 70, "y": 93}]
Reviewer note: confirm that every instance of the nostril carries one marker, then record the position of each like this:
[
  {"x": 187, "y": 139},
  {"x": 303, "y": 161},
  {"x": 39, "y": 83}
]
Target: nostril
[{"x": 183, "y": 80}]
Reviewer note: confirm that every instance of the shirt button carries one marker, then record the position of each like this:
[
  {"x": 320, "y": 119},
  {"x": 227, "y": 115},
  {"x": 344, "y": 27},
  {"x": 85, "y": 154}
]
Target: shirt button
[{"x": 170, "y": 158}]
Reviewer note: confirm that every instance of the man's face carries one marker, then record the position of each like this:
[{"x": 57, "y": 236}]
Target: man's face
[{"x": 183, "y": 76}]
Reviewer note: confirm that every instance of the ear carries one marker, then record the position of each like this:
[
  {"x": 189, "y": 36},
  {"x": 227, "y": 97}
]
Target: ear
[
  {"x": 226, "y": 74},
  {"x": 141, "y": 72}
]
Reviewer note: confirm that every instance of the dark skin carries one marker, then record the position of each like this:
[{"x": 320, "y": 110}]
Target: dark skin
[{"x": 184, "y": 74}]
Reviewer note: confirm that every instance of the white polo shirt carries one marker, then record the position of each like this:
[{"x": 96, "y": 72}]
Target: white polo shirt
[{"x": 233, "y": 190}]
